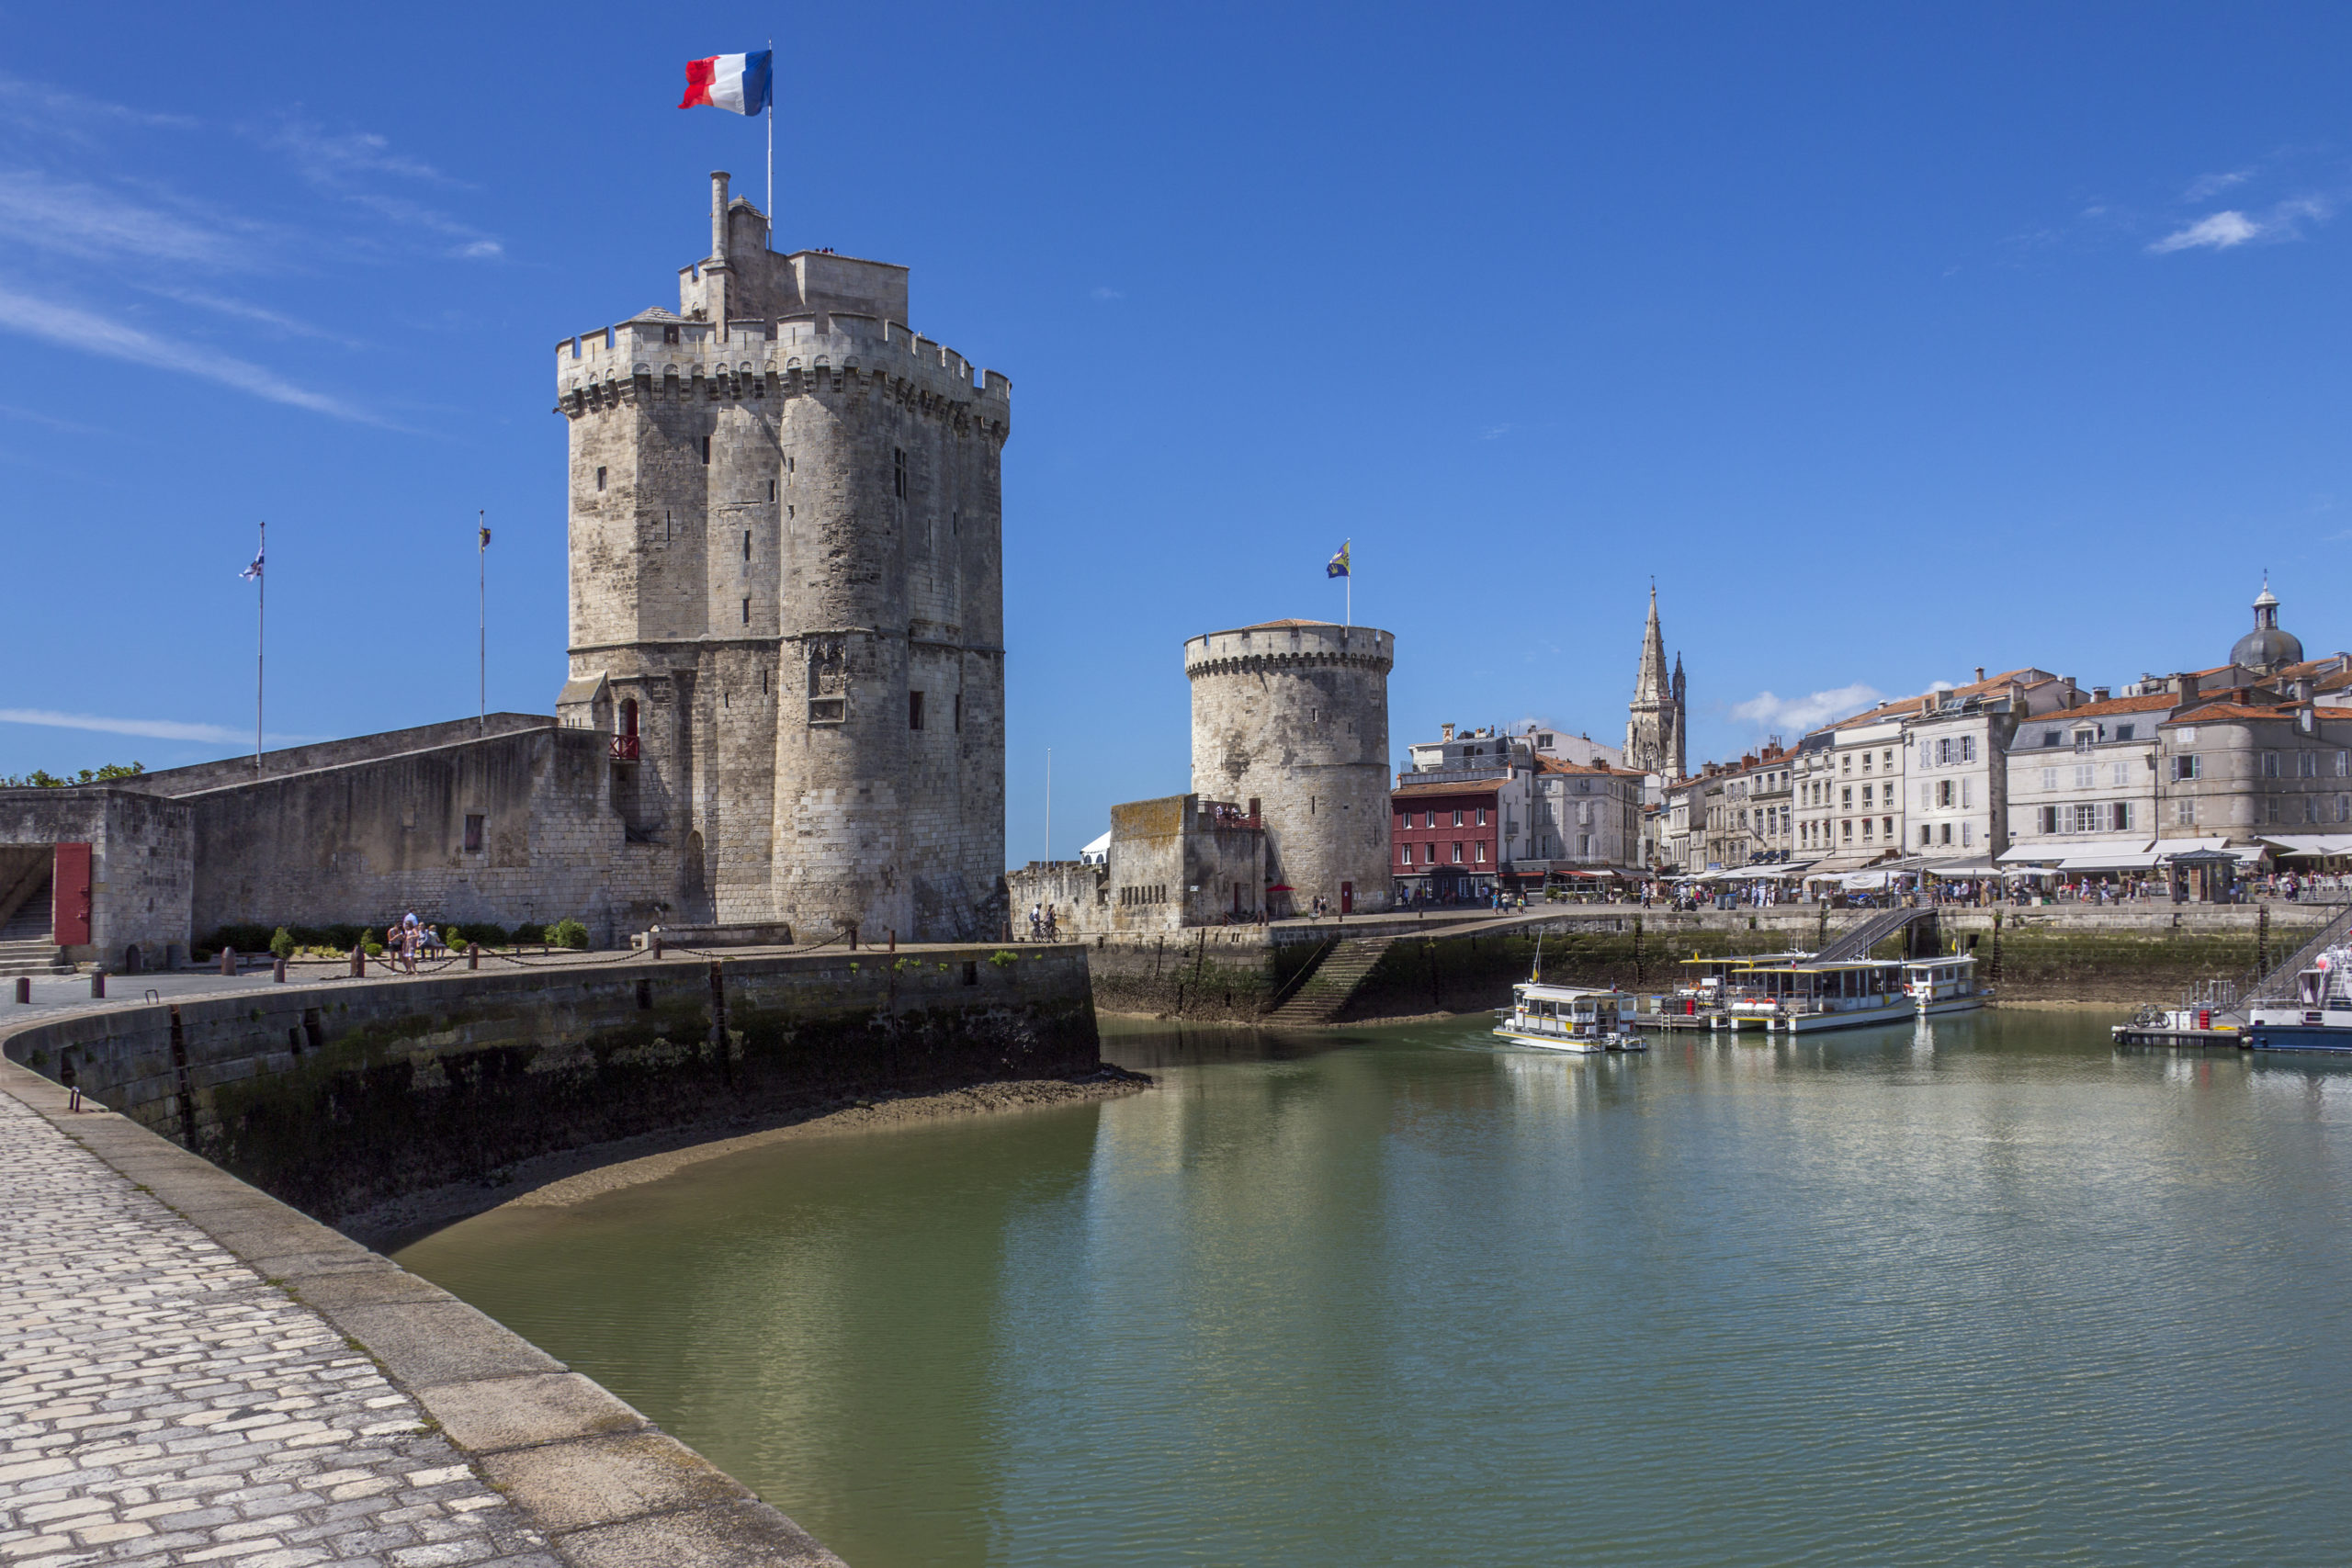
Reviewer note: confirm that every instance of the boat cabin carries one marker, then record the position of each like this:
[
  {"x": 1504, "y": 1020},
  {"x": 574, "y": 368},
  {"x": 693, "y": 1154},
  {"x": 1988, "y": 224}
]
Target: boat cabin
[
  {"x": 1929, "y": 980},
  {"x": 1562, "y": 1012}
]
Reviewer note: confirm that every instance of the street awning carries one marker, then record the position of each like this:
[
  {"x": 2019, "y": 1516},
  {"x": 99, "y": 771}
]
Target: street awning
[
  {"x": 2053, "y": 852},
  {"x": 2311, "y": 843},
  {"x": 1963, "y": 868},
  {"x": 2113, "y": 860}
]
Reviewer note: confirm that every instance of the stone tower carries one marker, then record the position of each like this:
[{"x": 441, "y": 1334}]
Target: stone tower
[
  {"x": 1292, "y": 716},
  {"x": 788, "y": 595},
  {"x": 1653, "y": 720}
]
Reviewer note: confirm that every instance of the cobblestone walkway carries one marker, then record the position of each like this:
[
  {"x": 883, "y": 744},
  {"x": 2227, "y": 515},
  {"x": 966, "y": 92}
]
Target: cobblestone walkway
[{"x": 160, "y": 1404}]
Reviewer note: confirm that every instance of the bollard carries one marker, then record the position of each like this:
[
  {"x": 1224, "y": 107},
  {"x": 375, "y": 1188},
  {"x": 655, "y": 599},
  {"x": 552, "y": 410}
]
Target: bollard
[
  {"x": 227, "y": 961},
  {"x": 98, "y": 984},
  {"x": 65, "y": 1078},
  {"x": 894, "y": 938},
  {"x": 25, "y": 989},
  {"x": 853, "y": 937},
  {"x": 473, "y": 956},
  {"x": 359, "y": 961},
  {"x": 656, "y": 945},
  {"x": 277, "y": 971}
]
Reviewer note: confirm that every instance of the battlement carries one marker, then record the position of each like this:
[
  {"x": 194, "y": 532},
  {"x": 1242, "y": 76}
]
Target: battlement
[
  {"x": 658, "y": 345},
  {"x": 1283, "y": 644}
]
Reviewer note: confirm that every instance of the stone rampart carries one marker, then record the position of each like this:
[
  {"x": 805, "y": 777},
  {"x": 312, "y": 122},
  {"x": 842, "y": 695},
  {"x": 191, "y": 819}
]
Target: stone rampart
[{"x": 337, "y": 1096}]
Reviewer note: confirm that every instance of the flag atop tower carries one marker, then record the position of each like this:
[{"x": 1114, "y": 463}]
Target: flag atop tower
[{"x": 740, "y": 83}]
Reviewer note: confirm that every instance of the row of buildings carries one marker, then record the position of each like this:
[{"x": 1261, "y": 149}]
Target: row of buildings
[{"x": 2020, "y": 770}]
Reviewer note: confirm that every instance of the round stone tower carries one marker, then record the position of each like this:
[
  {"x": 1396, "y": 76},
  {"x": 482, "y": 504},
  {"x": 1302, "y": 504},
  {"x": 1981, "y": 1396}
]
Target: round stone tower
[
  {"x": 787, "y": 597},
  {"x": 1291, "y": 718}
]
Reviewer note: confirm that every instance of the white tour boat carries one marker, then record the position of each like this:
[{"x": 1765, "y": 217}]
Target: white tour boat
[
  {"x": 2319, "y": 1018},
  {"x": 1805, "y": 996},
  {"x": 1566, "y": 1017}
]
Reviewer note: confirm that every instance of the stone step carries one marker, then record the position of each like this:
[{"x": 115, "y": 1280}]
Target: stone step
[{"x": 1326, "y": 990}]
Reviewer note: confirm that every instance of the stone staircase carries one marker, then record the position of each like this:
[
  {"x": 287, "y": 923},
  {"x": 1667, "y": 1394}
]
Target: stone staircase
[
  {"x": 1327, "y": 989},
  {"x": 1856, "y": 939},
  {"x": 26, "y": 944}
]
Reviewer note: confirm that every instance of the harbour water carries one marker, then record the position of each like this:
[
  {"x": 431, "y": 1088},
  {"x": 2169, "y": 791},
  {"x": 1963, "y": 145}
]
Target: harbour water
[{"x": 1997, "y": 1292}]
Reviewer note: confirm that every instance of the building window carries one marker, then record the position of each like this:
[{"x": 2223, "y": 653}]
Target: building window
[
  {"x": 1866, "y": 830},
  {"x": 2311, "y": 808},
  {"x": 1847, "y": 830},
  {"x": 1478, "y": 852},
  {"x": 1968, "y": 748},
  {"x": 914, "y": 710},
  {"x": 1429, "y": 819},
  {"x": 473, "y": 834},
  {"x": 2342, "y": 763},
  {"x": 705, "y": 448},
  {"x": 1457, "y": 855},
  {"x": 2343, "y": 808},
  {"x": 2050, "y": 819},
  {"x": 959, "y": 712},
  {"x": 2125, "y": 731},
  {"x": 1846, "y": 796},
  {"x": 600, "y": 479},
  {"x": 1925, "y": 835},
  {"x": 1429, "y": 854},
  {"x": 2185, "y": 813},
  {"x": 2270, "y": 764},
  {"x": 1967, "y": 834},
  {"x": 2122, "y": 817},
  {"x": 747, "y": 544},
  {"x": 2307, "y": 764},
  {"x": 1405, "y": 855},
  {"x": 2184, "y": 768},
  {"x": 1866, "y": 798},
  {"x": 1943, "y": 792},
  {"x": 1482, "y": 817},
  {"x": 1457, "y": 822},
  {"x": 771, "y": 489},
  {"x": 2087, "y": 776},
  {"x": 898, "y": 472},
  {"x": 2273, "y": 803}
]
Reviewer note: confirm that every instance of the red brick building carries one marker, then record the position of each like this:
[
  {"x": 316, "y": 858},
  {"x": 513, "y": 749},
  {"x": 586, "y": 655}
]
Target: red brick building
[{"x": 1447, "y": 840}]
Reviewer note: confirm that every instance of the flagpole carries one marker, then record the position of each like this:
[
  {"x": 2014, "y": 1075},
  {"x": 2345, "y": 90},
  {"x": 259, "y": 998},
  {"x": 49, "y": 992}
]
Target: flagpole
[
  {"x": 771, "y": 144},
  {"x": 481, "y": 627},
  {"x": 261, "y": 633}
]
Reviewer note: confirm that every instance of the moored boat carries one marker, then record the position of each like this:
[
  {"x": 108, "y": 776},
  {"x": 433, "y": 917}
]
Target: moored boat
[
  {"x": 1566, "y": 1017},
  {"x": 2317, "y": 1017}
]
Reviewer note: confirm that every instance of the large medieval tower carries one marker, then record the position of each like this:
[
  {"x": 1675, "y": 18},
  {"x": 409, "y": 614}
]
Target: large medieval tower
[
  {"x": 788, "y": 595},
  {"x": 1654, "y": 721}
]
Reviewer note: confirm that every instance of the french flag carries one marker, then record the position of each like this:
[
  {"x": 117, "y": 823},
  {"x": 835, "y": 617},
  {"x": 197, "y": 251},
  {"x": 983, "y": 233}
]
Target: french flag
[{"x": 736, "y": 82}]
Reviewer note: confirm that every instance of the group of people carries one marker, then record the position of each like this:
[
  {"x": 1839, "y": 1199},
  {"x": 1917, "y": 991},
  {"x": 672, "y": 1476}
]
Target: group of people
[
  {"x": 1042, "y": 927},
  {"x": 409, "y": 938}
]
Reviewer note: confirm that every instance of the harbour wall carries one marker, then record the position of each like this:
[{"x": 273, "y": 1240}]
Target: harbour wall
[
  {"x": 2115, "y": 956},
  {"x": 337, "y": 1096}
]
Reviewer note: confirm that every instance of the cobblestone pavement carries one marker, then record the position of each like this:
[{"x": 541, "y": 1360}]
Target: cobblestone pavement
[{"x": 160, "y": 1402}]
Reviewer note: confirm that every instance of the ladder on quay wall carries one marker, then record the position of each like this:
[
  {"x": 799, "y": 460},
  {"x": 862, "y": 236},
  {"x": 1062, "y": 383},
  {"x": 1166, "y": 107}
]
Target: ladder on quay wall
[
  {"x": 1856, "y": 939},
  {"x": 2280, "y": 983},
  {"x": 1318, "y": 1000}
]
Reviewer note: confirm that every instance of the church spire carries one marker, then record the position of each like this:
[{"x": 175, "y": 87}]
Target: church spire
[
  {"x": 1654, "y": 719},
  {"x": 1649, "y": 679}
]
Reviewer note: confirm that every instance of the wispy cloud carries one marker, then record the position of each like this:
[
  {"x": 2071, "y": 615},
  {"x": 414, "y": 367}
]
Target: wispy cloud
[
  {"x": 1794, "y": 716},
  {"x": 50, "y": 422},
  {"x": 241, "y": 310},
  {"x": 2227, "y": 230},
  {"x": 2205, "y": 188},
  {"x": 83, "y": 221},
  {"x": 2217, "y": 232},
  {"x": 1497, "y": 431},
  {"x": 92, "y": 334},
  {"x": 56, "y": 112},
  {"x": 340, "y": 163},
  {"x": 147, "y": 728},
  {"x": 1107, "y": 292}
]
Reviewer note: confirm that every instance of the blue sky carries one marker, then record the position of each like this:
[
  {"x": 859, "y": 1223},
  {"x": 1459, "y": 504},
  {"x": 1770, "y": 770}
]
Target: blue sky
[{"x": 1892, "y": 341}]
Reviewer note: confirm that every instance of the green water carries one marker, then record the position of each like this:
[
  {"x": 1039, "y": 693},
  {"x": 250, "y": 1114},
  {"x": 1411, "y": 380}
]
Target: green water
[{"x": 1998, "y": 1295}]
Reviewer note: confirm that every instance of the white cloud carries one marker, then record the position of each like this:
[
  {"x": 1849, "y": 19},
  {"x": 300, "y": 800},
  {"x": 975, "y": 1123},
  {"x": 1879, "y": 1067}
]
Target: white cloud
[
  {"x": 1795, "y": 716},
  {"x": 1107, "y": 292},
  {"x": 2219, "y": 233},
  {"x": 93, "y": 333},
  {"x": 2207, "y": 187},
  {"x": 1496, "y": 433},
  {"x": 242, "y": 311},
  {"x": 54, "y": 110},
  {"x": 338, "y": 163},
  {"x": 146, "y": 728},
  {"x": 82, "y": 221}
]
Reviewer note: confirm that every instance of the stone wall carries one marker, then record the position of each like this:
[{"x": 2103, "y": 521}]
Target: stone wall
[
  {"x": 337, "y": 1096},
  {"x": 1075, "y": 890},
  {"x": 1294, "y": 716},
  {"x": 364, "y": 842}
]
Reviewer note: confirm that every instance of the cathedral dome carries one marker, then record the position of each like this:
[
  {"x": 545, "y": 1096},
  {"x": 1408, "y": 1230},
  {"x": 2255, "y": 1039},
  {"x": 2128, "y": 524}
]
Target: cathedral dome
[{"x": 2266, "y": 648}]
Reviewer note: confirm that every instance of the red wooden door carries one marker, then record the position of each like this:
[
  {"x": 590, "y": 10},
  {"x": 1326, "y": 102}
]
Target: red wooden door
[
  {"x": 70, "y": 902},
  {"x": 1347, "y": 897}
]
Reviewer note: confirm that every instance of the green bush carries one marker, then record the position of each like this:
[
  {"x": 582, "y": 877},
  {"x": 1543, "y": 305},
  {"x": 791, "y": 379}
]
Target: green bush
[
  {"x": 568, "y": 933},
  {"x": 282, "y": 943},
  {"x": 525, "y": 933},
  {"x": 374, "y": 949}
]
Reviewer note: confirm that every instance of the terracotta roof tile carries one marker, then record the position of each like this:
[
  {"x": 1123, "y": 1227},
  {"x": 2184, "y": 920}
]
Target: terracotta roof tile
[
  {"x": 2153, "y": 702},
  {"x": 2222, "y": 712},
  {"x": 1418, "y": 792}
]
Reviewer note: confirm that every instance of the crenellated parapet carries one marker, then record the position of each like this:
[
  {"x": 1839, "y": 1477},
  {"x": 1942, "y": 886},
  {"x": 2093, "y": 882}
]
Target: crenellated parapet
[
  {"x": 1290, "y": 645},
  {"x": 661, "y": 356}
]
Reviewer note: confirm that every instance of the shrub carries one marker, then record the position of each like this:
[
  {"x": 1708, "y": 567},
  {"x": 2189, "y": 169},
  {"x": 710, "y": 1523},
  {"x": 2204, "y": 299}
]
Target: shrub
[
  {"x": 281, "y": 943},
  {"x": 568, "y": 933},
  {"x": 526, "y": 933},
  {"x": 374, "y": 949},
  {"x": 1004, "y": 958}
]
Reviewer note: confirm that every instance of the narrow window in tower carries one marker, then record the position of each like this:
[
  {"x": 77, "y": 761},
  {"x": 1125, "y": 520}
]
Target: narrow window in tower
[
  {"x": 669, "y": 334},
  {"x": 959, "y": 712},
  {"x": 914, "y": 710},
  {"x": 764, "y": 682},
  {"x": 747, "y": 612},
  {"x": 747, "y": 544},
  {"x": 955, "y": 521},
  {"x": 600, "y": 479},
  {"x": 771, "y": 489},
  {"x": 705, "y": 448},
  {"x": 898, "y": 472}
]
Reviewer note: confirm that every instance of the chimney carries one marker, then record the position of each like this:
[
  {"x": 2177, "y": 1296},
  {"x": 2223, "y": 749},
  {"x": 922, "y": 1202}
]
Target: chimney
[
  {"x": 718, "y": 218},
  {"x": 2186, "y": 685},
  {"x": 2303, "y": 689},
  {"x": 2098, "y": 694},
  {"x": 1980, "y": 673},
  {"x": 1446, "y": 732}
]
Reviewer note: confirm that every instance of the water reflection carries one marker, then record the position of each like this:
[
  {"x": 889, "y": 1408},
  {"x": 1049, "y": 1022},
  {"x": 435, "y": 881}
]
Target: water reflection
[{"x": 1918, "y": 1293}]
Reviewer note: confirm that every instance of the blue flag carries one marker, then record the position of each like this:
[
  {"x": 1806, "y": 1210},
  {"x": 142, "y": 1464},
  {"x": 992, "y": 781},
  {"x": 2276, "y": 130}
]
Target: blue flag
[{"x": 1338, "y": 565}]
